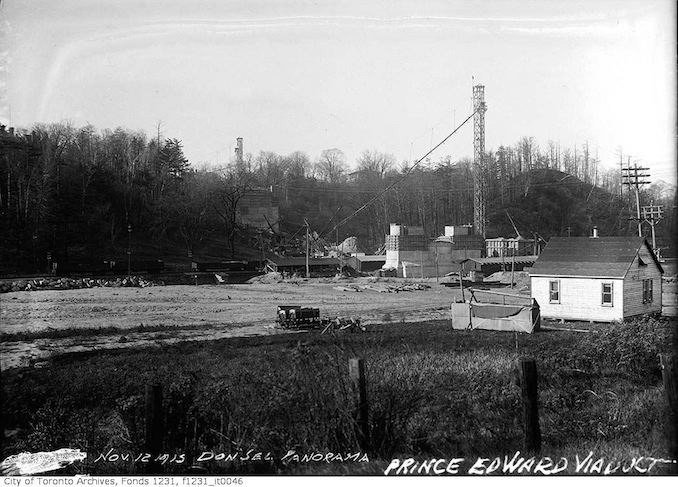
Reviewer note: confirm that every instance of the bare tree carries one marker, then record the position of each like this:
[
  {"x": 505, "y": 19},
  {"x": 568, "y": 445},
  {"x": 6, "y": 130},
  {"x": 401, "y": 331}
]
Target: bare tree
[
  {"x": 331, "y": 165},
  {"x": 270, "y": 168},
  {"x": 298, "y": 164},
  {"x": 376, "y": 162},
  {"x": 234, "y": 181},
  {"x": 192, "y": 210}
]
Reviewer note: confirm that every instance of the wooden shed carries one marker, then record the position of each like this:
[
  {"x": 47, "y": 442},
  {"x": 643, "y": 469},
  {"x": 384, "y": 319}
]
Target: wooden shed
[
  {"x": 597, "y": 278},
  {"x": 490, "y": 265},
  {"x": 367, "y": 263},
  {"x": 297, "y": 265}
]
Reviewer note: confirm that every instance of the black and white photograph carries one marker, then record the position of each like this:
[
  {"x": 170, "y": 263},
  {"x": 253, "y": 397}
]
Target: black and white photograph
[{"x": 246, "y": 241}]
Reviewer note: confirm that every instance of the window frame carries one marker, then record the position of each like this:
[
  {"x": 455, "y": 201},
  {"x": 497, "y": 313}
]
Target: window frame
[
  {"x": 557, "y": 300},
  {"x": 603, "y": 293},
  {"x": 648, "y": 291}
]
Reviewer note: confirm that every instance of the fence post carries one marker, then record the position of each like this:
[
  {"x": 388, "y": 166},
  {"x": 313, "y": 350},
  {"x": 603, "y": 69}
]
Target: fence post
[
  {"x": 153, "y": 426},
  {"x": 668, "y": 365},
  {"x": 356, "y": 372},
  {"x": 528, "y": 389},
  {"x": 2, "y": 416}
]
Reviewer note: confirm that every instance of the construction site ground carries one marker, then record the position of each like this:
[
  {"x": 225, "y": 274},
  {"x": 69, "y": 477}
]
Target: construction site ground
[{"x": 61, "y": 321}]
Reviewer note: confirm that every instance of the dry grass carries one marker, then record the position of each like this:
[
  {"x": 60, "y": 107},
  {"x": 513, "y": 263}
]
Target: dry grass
[{"x": 432, "y": 392}]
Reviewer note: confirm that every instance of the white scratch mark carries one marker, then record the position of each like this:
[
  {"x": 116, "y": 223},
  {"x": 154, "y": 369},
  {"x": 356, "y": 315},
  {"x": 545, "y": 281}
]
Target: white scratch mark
[{"x": 32, "y": 463}]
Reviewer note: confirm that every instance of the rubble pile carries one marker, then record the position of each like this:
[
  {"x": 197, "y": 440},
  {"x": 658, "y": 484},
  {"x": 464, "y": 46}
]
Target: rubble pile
[
  {"x": 40, "y": 284},
  {"x": 268, "y": 278},
  {"x": 521, "y": 278},
  {"x": 384, "y": 288}
]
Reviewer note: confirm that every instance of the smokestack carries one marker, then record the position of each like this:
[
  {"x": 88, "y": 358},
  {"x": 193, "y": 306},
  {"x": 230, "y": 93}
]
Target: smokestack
[
  {"x": 595, "y": 232},
  {"x": 238, "y": 150}
]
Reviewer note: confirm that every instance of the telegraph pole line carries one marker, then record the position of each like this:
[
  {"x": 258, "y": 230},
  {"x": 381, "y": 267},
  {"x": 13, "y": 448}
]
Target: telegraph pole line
[
  {"x": 621, "y": 172},
  {"x": 634, "y": 176},
  {"x": 652, "y": 214}
]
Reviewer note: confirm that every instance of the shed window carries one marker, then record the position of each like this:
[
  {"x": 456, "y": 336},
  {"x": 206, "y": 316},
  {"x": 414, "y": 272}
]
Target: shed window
[
  {"x": 647, "y": 290},
  {"x": 554, "y": 291},
  {"x": 607, "y": 294}
]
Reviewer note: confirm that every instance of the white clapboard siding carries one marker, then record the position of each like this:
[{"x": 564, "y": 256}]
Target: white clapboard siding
[{"x": 580, "y": 298}]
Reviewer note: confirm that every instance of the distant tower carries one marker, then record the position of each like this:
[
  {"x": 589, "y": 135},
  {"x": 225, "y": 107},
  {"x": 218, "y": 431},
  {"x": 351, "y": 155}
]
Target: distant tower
[
  {"x": 479, "y": 189},
  {"x": 238, "y": 150}
]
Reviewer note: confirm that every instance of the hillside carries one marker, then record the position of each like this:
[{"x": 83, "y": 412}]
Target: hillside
[
  {"x": 61, "y": 203},
  {"x": 548, "y": 202}
]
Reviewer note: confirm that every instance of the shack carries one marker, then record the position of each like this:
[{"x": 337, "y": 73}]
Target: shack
[
  {"x": 490, "y": 265},
  {"x": 366, "y": 263},
  {"x": 297, "y": 265}
]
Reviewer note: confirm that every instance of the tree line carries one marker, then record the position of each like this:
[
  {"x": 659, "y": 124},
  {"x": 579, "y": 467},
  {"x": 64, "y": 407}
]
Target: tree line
[{"x": 79, "y": 192}]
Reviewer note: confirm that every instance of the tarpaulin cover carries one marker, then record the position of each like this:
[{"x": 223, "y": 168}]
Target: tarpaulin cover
[
  {"x": 525, "y": 319},
  {"x": 484, "y": 310}
]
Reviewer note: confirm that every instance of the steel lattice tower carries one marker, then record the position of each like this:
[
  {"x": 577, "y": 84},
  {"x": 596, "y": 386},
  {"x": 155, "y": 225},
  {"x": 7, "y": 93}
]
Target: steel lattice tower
[{"x": 479, "y": 189}]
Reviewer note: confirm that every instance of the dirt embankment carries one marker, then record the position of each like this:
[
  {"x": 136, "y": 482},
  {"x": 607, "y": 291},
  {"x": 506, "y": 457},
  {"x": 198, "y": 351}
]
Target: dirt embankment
[{"x": 191, "y": 313}]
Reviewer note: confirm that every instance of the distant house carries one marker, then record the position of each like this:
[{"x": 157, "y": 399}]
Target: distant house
[{"x": 597, "y": 278}]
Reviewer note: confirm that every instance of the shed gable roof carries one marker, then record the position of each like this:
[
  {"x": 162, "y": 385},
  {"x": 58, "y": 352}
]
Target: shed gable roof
[
  {"x": 590, "y": 257},
  {"x": 371, "y": 258},
  {"x": 301, "y": 261}
]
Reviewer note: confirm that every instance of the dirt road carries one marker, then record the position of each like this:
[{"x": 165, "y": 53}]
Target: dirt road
[{"x": 208, "y": 312}]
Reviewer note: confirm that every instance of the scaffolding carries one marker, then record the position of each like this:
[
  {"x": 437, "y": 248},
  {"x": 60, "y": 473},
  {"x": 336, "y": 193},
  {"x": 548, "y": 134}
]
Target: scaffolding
[{"x": 479, "y": 184}]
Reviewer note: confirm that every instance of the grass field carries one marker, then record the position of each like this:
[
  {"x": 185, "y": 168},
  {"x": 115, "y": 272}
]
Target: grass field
[{"x": 433, "y": 392}]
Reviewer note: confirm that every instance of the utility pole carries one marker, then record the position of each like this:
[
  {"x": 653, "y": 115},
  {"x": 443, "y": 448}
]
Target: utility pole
[
  {"x": 158, "y": 140},
  {"x": 631, "y": 177},
  {"x": 652, "y": 214},
  {"x": 621, "y": 171},
  {"x": 308, "y": 271},
  {"x": 261, "y": 245},
  {"x": 129, "y": 249},
  {"x": 340, "y": 253}
]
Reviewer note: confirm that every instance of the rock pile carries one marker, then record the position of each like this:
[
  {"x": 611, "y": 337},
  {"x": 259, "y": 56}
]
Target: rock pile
[{"x": 41, "y": 284}]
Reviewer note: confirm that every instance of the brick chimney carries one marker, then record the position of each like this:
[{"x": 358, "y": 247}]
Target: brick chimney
[{"x": 238, "y": 150}]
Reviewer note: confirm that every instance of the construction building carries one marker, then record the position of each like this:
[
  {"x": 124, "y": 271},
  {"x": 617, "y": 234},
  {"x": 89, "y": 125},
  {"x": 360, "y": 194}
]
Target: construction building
[
  {"x": 485, "y": 266},
  {"x": 506, "y": 247},
  {"x": 412, "y": 254}
]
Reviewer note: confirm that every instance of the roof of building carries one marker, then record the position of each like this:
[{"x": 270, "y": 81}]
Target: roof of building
[
  {"x": 590, "y": 257},
  {"x": 371, "y": 258},
  {"x": 459, "y": 238},
  {"x": 519, "y": 238},
  {"x": 301, "y": 261},
  {"x": 518, "y": 259}
]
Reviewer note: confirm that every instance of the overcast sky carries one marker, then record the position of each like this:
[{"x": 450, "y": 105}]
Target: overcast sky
[{"x": 390, "y": 76}]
